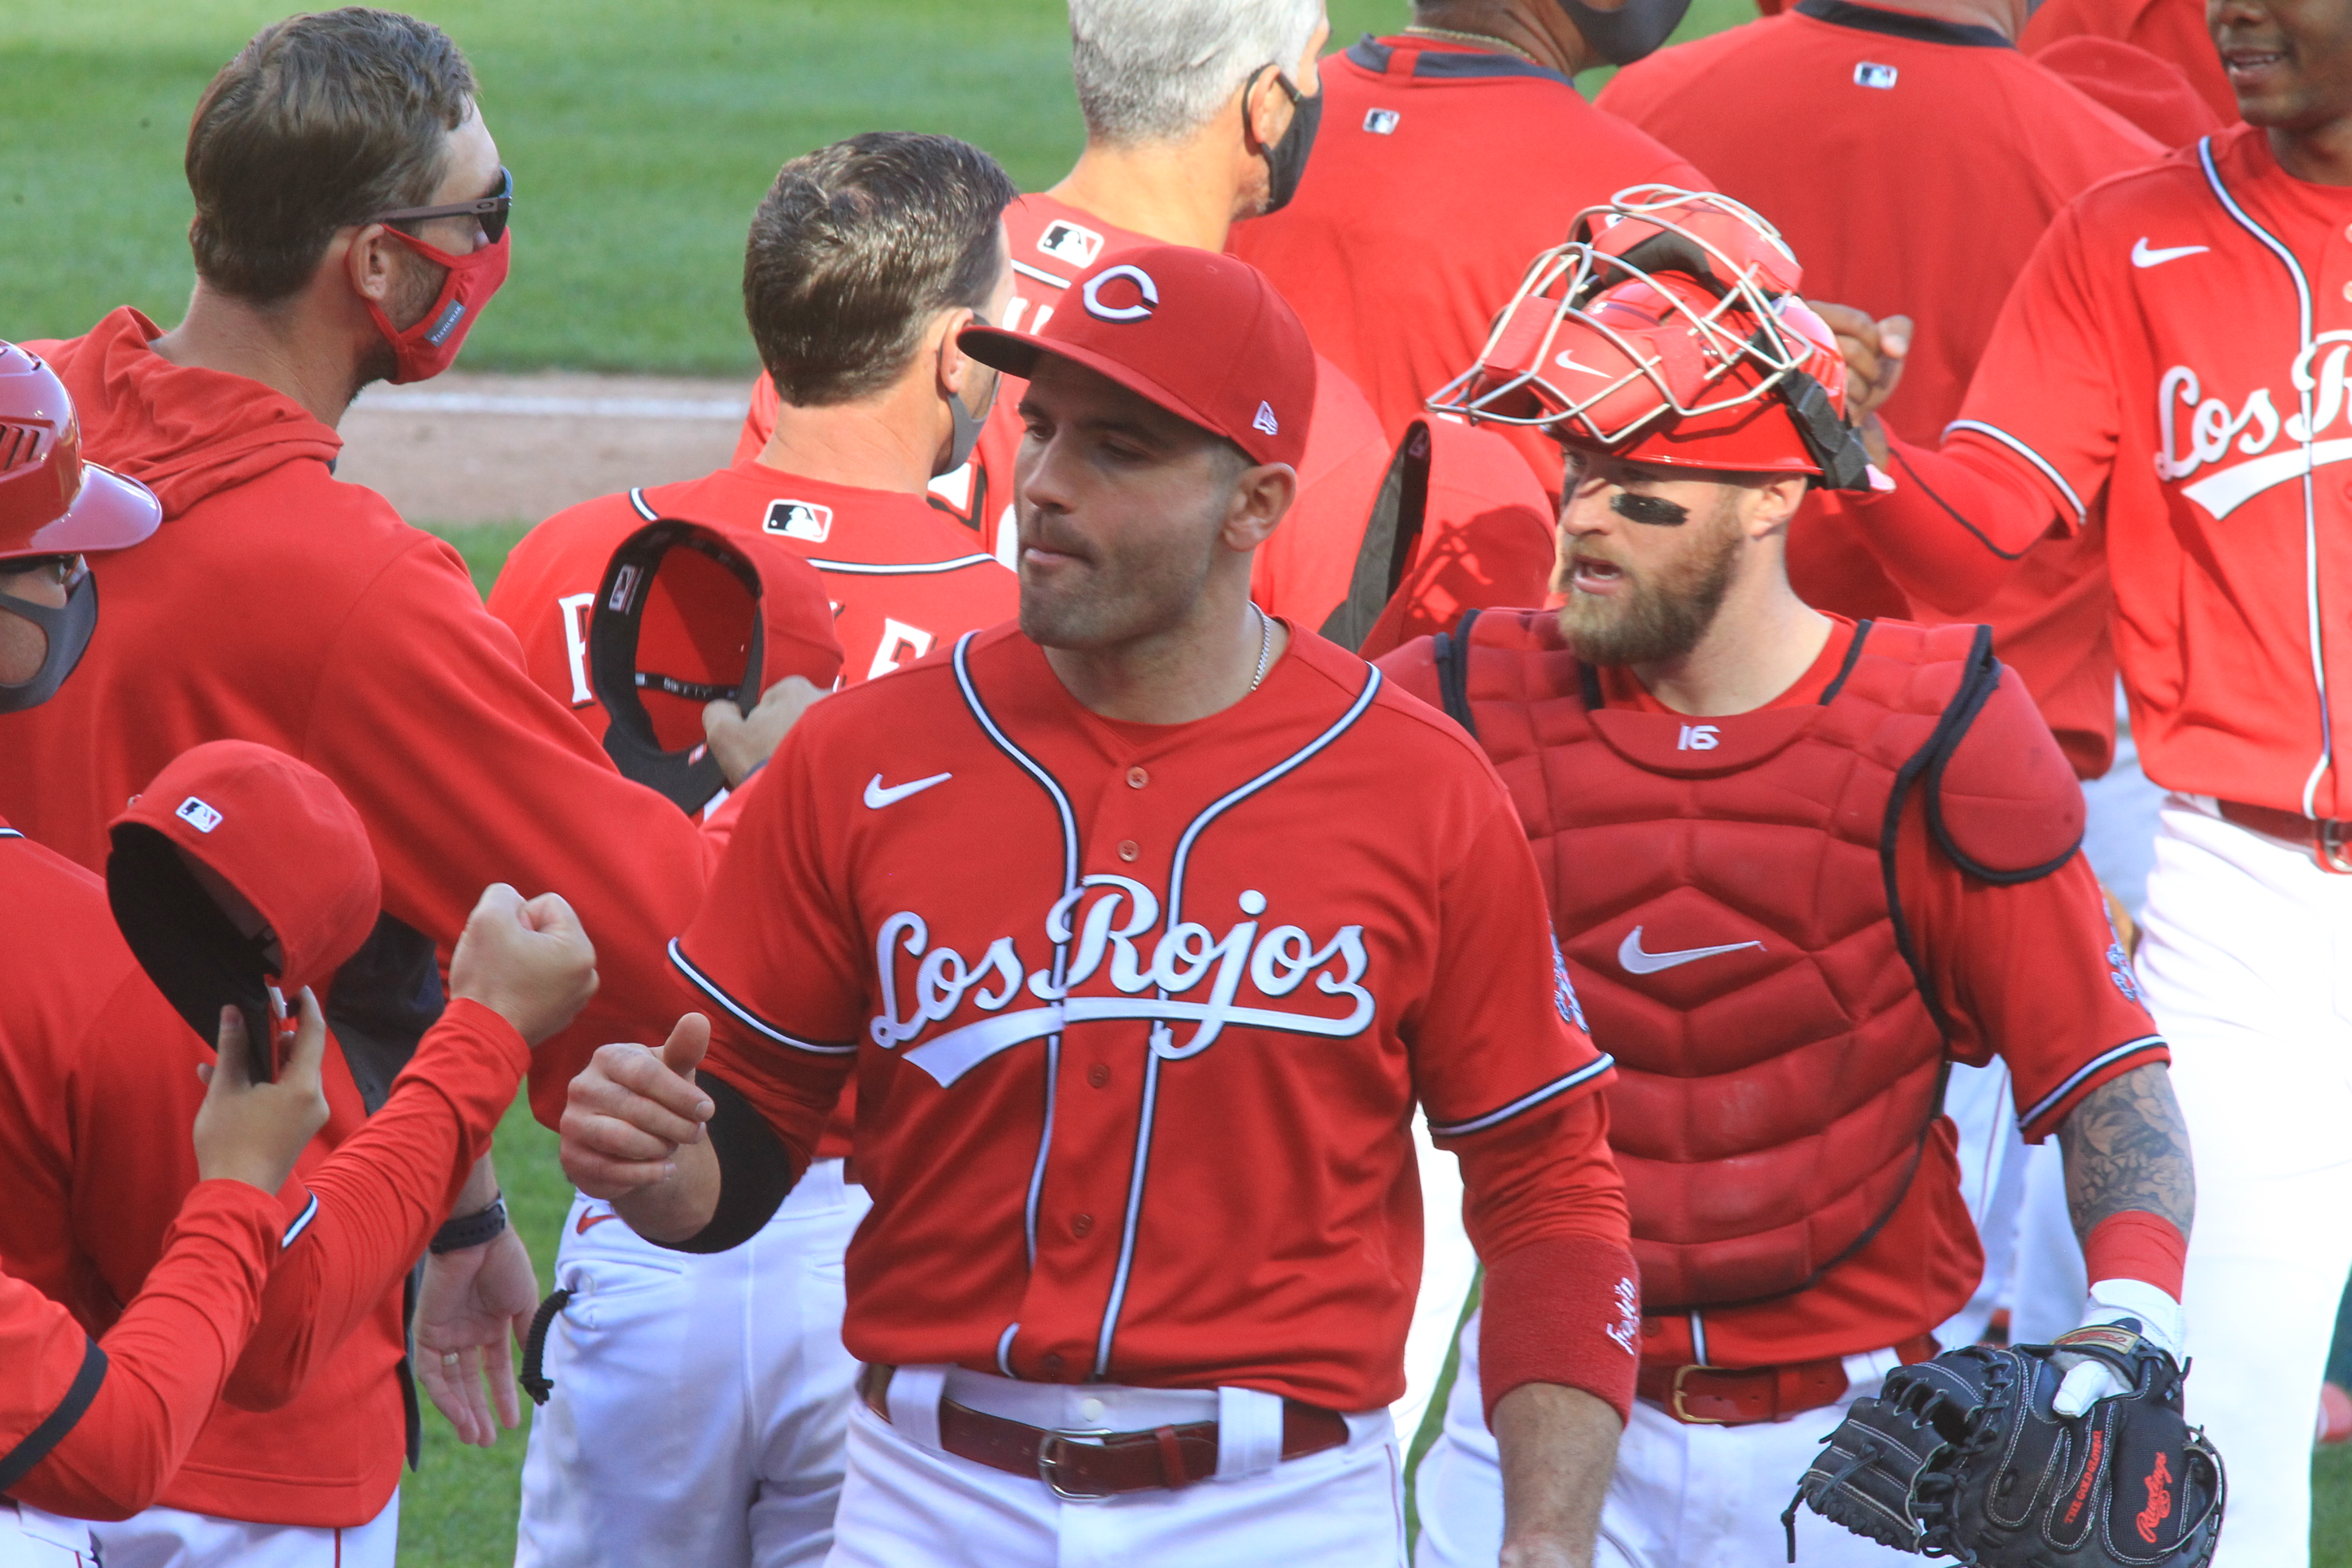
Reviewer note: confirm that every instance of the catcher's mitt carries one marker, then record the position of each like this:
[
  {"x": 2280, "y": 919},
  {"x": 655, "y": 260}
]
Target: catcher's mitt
[{"x": 1962, "y": 1456}]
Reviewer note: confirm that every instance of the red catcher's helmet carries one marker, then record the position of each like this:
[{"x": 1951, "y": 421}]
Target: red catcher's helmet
[
  {"x": 52, "y": 502},
  {"x": 1668, "y": 330}
]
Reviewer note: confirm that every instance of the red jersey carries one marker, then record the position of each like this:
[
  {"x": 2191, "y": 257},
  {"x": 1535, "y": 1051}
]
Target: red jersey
[
  {"x": 1302, "y": 572},
  {"x": 279, "y": 605},
  {"x": 2175, "y": 352},
  {"x": 1955, "y": 152},
  {"x": 1176, "y": 952},
  {"x": 2171, "y": 30},
  {"x": 895, "y": 577},
  {"x": 1441, "y": 171},
  {"x": 2029, "y": 971}
]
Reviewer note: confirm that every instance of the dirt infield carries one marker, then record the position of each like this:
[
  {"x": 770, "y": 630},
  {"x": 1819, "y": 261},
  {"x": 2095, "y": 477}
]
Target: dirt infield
[{"x": 473, "y": 448}]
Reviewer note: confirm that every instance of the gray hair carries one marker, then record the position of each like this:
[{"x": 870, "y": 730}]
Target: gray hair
[{"x": 1158, "y": 70}]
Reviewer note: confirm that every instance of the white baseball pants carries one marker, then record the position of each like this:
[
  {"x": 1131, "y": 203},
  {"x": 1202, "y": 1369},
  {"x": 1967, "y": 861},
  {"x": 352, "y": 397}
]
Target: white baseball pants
[
  {"x": 2247, "y": 963},
  {"x": 1682, "y": 1497},
  {"x": 175, "y": 1538},
  {"x": 31, "y": 1539},
  {"x": 907, "y": 1504},
  {"x": 698, "y": 1402}
]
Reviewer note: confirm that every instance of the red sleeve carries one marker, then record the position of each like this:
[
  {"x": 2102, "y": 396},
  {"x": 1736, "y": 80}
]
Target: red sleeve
[
  {"x": 1957, "y": 523},
  {"x": 467, "y": 773},
  {"x": 165, "y": 1361},
  {"x": 774, "y": 958},
  {"x": 380, "y": 1196},
  {"x": 759, "y": 420},
  {"x": 2031, "y": 971}
]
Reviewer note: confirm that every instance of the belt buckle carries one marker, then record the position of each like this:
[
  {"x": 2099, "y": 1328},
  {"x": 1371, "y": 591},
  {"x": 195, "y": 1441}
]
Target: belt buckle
[
  {"x": 1681, "y": 1412},
  {"x": 2329, "y": 832},
  {"x": 1049, "y": 1461}
]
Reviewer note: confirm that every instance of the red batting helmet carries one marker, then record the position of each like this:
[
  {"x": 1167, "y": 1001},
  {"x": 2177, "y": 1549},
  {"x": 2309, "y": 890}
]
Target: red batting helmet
[
  {"x": 1668, "y": 330},
  {"x": 52, "y": 502}
]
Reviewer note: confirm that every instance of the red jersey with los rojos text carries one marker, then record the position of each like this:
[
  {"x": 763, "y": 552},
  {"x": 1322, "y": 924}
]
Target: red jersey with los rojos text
[
  {"x": 1135, "y": 1063},
  {"x": 1303, "y": 571},
  {"x": 1442, "y": 169},
  {"x": 895, "y": 577},
  {"x": 1955, "y": 152},
  {"x": 2032, "y": 972},
  {"x": 2176, "y": 351}
]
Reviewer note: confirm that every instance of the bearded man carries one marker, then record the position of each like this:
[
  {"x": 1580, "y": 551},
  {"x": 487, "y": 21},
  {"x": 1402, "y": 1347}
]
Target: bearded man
[{"x": 1799, "y": 866}]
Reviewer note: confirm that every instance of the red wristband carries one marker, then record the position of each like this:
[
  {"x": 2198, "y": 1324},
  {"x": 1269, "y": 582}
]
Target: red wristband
[
  {"x": 2137, "y": 1245},
  {"x": 1567, "y": 1309}
]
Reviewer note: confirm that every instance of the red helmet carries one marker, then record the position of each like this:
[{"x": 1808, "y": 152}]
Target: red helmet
[
  {"x": 1669, "y": 329},
  {"x": 52, "y": 502}
]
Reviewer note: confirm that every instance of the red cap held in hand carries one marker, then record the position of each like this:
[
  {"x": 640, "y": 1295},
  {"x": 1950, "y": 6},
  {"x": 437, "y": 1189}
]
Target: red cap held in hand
[{"x": 1203, "y": 336}]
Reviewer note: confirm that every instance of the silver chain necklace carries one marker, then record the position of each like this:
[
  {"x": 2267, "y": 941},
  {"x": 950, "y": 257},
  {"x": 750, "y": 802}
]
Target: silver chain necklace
[{"x": 1265, "y": 645}]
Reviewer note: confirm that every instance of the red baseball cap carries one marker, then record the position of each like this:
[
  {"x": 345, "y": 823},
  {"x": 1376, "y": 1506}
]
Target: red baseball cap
[{"x": 1203, "y": 336}]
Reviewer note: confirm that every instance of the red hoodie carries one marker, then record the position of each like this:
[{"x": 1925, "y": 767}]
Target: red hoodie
[{"x": 280, "y": 606}]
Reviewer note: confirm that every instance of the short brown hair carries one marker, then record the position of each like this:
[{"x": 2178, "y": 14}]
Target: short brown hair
[
  {"x": 320, "y": 121},
  {"x": 853, "y": 249}
]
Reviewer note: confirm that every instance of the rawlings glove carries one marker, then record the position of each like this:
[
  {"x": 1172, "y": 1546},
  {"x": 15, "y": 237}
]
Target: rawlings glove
[{"x": 1966, "y": 1456}]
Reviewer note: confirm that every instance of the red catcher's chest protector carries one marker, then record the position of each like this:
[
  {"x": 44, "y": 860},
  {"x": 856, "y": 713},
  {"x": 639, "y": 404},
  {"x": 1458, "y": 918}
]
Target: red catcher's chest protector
[{"x": 1725, "y": 892}]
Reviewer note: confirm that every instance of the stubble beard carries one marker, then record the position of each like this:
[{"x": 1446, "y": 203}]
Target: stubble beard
[
  {"x": 1661, "y": 616},
  {"x": 1115, "y": 599}
]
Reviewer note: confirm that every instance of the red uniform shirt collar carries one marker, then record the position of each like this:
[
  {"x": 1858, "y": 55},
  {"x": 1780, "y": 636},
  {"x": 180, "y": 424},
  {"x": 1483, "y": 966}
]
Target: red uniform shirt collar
[{"x": 1623, "y": 689}]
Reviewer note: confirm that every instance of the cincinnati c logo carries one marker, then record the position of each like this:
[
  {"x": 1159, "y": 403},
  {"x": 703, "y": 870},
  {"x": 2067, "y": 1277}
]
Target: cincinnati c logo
[{"x": 1144, "y": 286}]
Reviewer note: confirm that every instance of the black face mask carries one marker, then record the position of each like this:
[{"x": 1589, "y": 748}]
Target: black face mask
[
  {"x": 1285, "y": 161},
  {"x": 68, "y": 629},
  {"x": 1629, "y": 33}
]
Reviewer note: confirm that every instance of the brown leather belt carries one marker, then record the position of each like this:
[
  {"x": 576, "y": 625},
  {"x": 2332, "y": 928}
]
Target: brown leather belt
[
  {"x": 1722, "y": 1396},
  {"x": 1089, "y": 1465},
  {"x": 2323, "y": 836}
]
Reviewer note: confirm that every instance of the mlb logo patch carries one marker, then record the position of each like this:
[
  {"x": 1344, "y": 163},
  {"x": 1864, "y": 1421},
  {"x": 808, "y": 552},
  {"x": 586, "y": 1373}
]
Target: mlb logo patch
[
  {"x": 198, "y": 814},
  {"x": 1381, "y": 121},
  {"x": 799, "y": 519},
  {"x": 1266, "y": 421},
  {"x": 1067, "y": 242},
  {"x": 625, "y": 588},
  {"x": 1869, "y": 75}
]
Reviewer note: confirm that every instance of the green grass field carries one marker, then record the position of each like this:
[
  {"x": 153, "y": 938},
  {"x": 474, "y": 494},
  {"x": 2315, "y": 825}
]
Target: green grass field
[{"x": 641, "y": 136}]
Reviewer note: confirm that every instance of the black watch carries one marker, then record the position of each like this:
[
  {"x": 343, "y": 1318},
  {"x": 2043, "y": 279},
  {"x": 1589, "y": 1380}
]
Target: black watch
[{"x": 474, "y": 1230}]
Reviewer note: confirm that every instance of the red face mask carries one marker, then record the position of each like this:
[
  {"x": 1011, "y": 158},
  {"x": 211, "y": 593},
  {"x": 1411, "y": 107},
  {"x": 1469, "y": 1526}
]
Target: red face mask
[{"x": 431, "y": 346}]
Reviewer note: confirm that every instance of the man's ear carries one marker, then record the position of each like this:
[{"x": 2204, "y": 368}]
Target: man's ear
[
  {"x": 367, "y": 262},
  {"x": 1262, "y": 495},
  {"x": 1777, "y": 499},
  {"x": 955, "y": 366}
]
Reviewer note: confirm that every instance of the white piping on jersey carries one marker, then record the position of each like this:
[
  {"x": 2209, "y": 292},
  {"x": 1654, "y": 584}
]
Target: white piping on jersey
[
  {"x": 2040, "y": 1107},
  {"x": 906, "y": 569},
  {"x": 637, "y": 499},
  {"x": 1529, "y": 1102},
  {"x": 1698, "y": 1341},
  {"x": 1061, "y": 948},
  {"x": 302, "y": 1222},
  {"x": 2310, "y": 503},
  {"x": 10, "y": 833},
  {"x": 744, "y": 1015},
  {"x": 1160, "y": 1033},
  {"x": 1040, "y": 274},
  {"x": 1005, "y": 1345},
  {"x": 2049, "y": 472}
]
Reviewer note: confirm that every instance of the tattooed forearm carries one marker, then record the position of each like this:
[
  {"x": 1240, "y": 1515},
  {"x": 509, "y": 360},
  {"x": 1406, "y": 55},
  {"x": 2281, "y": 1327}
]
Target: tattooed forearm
[{"x": 2125, "y": 1147}]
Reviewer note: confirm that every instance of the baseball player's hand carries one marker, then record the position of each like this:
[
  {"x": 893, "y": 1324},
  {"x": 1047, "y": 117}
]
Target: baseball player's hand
[
  {"x": 529, "y": 961},
  {"x": 630, "y": 1112},
  {"x": 253, "y": 1132},
  {"x": 2143, "y": 1309},
  {"x": 1874, "y": 351},
  {"x": 474, "y": 1306},
  {"x": 741, "y": 742}
]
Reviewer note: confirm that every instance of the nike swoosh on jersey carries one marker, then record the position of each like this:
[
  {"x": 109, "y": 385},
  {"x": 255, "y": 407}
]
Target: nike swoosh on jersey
[
  {"x": 1636, "y": 961},
  {"x": 591, "y": 1219},
  {"x": 876, "y": 797},
  {"x": 2143, "y": 257}
]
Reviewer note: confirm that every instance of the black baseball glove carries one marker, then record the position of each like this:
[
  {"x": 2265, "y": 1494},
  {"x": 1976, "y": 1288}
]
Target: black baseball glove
[{"x": 1962, "y": 1456}]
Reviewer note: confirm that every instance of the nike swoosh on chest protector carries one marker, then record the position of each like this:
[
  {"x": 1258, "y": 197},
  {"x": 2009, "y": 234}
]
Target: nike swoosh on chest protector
[
  {"x": 1636, "y": 961},
  {"x": 876, "y": 796}
]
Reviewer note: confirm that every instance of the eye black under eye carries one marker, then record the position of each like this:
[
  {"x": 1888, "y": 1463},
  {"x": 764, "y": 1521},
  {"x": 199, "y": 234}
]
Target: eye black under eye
[{"x": 1654, "y": 510}]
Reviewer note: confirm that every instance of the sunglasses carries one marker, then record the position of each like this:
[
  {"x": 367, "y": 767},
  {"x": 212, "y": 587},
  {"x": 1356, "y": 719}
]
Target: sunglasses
[{"x": 490, "y": 211}]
